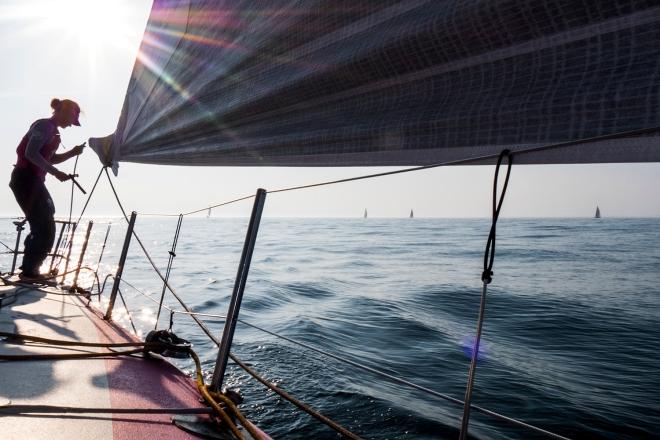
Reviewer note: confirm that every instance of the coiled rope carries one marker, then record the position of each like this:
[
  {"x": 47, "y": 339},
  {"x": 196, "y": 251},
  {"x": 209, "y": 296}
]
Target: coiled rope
[{"x": 142, "y": 347}]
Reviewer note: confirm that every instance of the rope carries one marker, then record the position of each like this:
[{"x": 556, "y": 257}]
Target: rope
[
  {"x": 52, "y": 276},
  {"x": 203, "y": 389},
  {"x": 486, "y": 277},
  {"x": 301, "y": 405},
  {"x": 489, "y": 254},
  {"x": 329, "y": 422},
  {"x": 151, "y": 261},
  {"x": 143, "y": 347},
  {"x": 489, "y": 267},
  {"x": 49, "y": 409},
  {"x": 42, "y": 288}
]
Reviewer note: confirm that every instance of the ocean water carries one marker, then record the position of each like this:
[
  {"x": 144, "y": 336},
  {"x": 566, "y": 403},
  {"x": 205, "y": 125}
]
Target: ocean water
[{"x": 570, "y": 340}]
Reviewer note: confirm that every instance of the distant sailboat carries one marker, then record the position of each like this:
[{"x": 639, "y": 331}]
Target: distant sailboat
[
  {"x": 411, "y": 214},
  {"x": 365, "y": 213},
  {"x": 208, "y": 213},
  {"x": 597, "y": 215}
]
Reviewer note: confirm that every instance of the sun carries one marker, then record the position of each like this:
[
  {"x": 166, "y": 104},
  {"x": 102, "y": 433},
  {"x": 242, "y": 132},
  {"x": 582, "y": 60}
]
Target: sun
[{"x": 92, "y": 24}]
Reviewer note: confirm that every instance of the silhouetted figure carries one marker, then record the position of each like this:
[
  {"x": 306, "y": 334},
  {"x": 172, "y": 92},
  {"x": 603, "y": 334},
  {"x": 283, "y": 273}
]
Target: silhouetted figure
[{"x": 36, "y": 156}]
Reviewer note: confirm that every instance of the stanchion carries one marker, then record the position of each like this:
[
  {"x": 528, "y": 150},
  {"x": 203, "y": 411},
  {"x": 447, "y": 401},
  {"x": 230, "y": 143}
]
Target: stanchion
[
  {"x": 120, "y": 267},
  {"x": 237, "y": 294},
  {"x": 63, "y": 226},
  {"x": 169, "y": 268},
  {"x": 20, "y": 226},
  {"x": 68, "y": 254},
  {"x": 82, "y": 255}
]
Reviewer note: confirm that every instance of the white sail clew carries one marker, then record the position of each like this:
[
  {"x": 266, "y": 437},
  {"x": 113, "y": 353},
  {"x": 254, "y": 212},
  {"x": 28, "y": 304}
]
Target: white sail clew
[{"x": 411, "y": 82}]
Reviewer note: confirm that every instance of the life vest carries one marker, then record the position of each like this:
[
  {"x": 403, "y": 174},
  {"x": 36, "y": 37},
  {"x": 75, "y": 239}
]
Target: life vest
[{"x": 47, "y": 150}]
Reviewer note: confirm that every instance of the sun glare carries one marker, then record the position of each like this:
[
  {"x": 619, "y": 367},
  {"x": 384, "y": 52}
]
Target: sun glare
[{"x": 93, "y": 24}]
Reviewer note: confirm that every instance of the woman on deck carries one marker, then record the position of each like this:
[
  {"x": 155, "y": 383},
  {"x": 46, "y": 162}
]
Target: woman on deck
[{"x": 36, "y": 156}]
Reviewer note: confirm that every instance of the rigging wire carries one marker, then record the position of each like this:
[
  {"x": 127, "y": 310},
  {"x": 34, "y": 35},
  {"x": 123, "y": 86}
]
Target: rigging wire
[
  {"x": 89, "y": 197},
  {"x": 491, "y": 240},
  {"x": 208, "y": 332},
  {"x": 10, "y": 249},
  {"x": 201, "y": 325},
  {"x": 205, "y": 329},
  {"x": 467, "y": 161}
]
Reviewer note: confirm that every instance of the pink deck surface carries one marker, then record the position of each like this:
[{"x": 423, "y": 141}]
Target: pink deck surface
[{"x": 143, "y": 383}]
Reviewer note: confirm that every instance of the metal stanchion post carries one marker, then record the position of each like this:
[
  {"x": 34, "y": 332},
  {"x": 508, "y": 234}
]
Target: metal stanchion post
[
  {"x": 169, "y": 268},
  {"x": 120, "y": 267},
  {"x": 82, "y": 254},
  {"x": 68, "y": 254},
  {"x": 237, "y": 294},
  {"x": 57, "y": 246},
  {"x": 20, "y": 225}
]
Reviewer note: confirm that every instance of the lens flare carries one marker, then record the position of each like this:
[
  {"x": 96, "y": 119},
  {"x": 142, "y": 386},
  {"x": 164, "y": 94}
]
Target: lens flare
[{"x": 468, "y": 343}]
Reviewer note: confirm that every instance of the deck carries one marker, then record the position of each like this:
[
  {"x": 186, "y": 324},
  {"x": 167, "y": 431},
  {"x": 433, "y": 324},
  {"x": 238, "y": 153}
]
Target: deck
[{"x": 126, "y": 382}]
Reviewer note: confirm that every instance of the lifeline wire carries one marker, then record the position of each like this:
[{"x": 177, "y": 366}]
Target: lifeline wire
[
  {"x": 203, "y": 326},
  {"x": 215, "y": 340},
  {"x": 151, "y": 261},
  {"x": 210, "y": 335},
  {"x": 12, "y": 250},
  {"x": 410, "y": 384},
  {"x": 486, "y": 276}
]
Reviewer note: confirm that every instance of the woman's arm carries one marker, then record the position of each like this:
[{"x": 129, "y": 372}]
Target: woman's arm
[
  {"x": 38, "y": 138},
  {"x": 75, "y": 151}
]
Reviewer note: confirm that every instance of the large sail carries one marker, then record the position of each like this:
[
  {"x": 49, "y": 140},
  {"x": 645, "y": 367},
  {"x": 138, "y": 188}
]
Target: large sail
[{"x": 363, "y": 82}]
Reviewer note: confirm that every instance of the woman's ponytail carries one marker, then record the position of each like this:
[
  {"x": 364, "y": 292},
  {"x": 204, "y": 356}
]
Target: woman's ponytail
[{"x": 55, "y": 104}]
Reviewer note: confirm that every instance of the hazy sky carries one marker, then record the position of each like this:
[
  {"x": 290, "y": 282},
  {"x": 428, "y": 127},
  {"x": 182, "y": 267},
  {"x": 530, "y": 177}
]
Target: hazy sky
[{"x": 85, "y": 49}]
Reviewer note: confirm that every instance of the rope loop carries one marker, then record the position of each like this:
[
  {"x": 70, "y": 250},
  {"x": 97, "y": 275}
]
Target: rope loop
[{"x": 489, "y": 254}]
